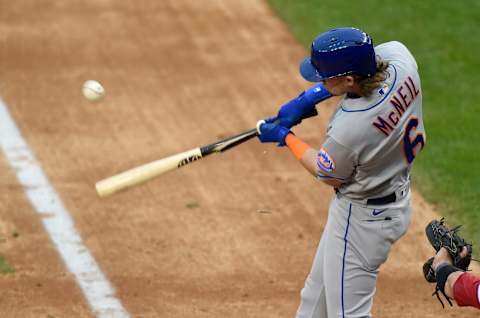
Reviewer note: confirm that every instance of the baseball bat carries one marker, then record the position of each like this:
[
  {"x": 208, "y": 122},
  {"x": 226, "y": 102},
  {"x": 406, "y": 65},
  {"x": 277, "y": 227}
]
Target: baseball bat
[{"x": 153, "y": 169}]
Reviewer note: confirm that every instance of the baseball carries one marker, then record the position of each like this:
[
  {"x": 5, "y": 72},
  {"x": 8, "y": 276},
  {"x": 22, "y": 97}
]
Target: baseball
[{"x": 93, "y": 90}]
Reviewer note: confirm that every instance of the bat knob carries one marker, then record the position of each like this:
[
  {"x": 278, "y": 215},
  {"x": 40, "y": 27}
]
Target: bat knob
[{"x": 259, "y": 124}]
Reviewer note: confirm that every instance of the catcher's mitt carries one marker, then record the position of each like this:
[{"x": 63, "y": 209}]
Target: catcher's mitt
[{"x": 440, "y": 235}]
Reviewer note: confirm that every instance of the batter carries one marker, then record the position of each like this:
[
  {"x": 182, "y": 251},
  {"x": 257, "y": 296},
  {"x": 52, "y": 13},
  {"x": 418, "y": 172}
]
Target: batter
[{"x": 371, "y": 142}]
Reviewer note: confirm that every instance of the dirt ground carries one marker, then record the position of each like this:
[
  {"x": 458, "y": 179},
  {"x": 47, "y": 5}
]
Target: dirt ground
[{"x": 233, "y": 235}]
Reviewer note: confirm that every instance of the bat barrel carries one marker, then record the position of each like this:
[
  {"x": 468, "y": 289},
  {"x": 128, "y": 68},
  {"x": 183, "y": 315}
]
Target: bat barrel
[
  {"x": 150, "y": 170},
  {"x": 145, "y": 172}
]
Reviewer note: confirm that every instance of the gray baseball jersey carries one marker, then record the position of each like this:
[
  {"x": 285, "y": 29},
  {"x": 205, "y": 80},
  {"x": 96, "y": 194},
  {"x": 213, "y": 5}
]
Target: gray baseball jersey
[
  {"x": 371, "y": 142},
  {"x": 370, "y": 146}
]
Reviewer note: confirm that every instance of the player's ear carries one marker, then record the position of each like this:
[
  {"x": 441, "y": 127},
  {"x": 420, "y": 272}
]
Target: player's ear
[{"x": 349, "y": 80}]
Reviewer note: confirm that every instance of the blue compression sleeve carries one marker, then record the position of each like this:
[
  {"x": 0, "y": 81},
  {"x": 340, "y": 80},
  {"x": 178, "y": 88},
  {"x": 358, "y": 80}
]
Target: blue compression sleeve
[
  {"x": 316, "y": 94},
  {"x": 292, "y": 113}
]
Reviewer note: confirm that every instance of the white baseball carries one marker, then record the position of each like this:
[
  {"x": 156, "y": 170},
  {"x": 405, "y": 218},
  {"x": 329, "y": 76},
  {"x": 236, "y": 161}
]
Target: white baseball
[{"x": 93, "y": 90}]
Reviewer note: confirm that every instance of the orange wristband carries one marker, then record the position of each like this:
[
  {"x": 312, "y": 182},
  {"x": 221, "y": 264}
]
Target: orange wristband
[{"x": 296, "y": 146}]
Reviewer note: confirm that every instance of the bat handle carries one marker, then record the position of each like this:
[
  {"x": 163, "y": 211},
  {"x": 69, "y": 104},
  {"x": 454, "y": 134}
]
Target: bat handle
[{"x": 312, "y": 113}]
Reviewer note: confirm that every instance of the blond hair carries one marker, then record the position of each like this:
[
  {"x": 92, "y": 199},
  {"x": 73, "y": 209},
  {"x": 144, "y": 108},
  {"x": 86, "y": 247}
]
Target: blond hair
[{"x": 368, "y": 84}]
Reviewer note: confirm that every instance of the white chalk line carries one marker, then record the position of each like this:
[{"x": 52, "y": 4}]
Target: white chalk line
[{"x": 57, "y": 221}]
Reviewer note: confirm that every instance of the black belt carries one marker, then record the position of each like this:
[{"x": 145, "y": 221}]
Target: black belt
[{"x": 383, "y": 200}]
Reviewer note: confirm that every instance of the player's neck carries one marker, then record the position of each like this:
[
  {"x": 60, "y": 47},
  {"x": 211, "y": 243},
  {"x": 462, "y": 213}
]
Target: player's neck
[{"x": 353, "y": 95}]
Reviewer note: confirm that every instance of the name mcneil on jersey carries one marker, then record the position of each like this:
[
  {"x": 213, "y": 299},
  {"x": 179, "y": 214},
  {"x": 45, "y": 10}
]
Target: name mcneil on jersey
[{"x": 400, "y": 101}]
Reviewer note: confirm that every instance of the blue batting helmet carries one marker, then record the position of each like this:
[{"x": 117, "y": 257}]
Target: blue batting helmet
[{"x": 338, "y": 52}]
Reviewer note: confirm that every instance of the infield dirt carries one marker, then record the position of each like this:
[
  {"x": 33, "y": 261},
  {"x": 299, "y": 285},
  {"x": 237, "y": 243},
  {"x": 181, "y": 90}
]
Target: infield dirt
[{"x": 233, "y": 235}]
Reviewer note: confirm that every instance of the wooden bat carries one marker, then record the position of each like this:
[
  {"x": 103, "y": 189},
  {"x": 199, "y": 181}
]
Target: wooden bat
[
  {"x": 153, "y": 169},
  {"x": 150, "y": 170}
]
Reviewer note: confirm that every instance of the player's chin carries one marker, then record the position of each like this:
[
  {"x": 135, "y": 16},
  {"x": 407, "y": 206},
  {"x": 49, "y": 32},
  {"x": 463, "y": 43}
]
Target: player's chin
[
  {"x": 336, "y": 92},
  {"x": 333, "y": 89}
]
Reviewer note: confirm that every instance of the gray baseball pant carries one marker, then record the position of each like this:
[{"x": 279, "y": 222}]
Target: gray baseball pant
[{"x": 355, "y": 242}]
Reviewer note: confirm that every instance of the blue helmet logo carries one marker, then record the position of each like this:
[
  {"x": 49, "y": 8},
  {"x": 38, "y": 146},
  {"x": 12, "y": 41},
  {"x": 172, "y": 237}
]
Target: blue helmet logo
[{"x": 339, "y": 52}]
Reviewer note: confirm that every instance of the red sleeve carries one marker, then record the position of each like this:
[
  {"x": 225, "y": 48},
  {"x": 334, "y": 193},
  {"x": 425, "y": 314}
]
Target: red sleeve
[{"x": 466, "y": 290}]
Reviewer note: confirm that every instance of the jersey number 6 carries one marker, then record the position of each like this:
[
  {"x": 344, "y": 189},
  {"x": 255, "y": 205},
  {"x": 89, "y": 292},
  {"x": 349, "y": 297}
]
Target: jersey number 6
[{"x": 410, "y": 143}]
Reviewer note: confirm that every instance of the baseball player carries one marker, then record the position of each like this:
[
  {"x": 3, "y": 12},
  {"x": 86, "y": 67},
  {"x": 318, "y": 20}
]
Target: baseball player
[
  {"x": 371, "y": 142},
  {"x": 455, "y": 283}
]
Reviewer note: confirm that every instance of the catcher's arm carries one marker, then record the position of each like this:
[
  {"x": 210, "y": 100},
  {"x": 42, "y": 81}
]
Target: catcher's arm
[{"x": 443, "y": 257}]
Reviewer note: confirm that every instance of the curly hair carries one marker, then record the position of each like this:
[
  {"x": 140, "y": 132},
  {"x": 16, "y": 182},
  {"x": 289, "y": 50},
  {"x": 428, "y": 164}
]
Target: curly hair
[{"x": 369, "y": 84}]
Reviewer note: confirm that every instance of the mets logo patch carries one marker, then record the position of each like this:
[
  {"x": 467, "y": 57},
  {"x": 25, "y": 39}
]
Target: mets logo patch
[{"x": 325, "y": 162}]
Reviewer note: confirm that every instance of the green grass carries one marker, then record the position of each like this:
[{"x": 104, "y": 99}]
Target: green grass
[
  {"x": 192, "y": 205},
  {"x": 5, "y": 267},
  {"x": 443, "y": 35}
]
